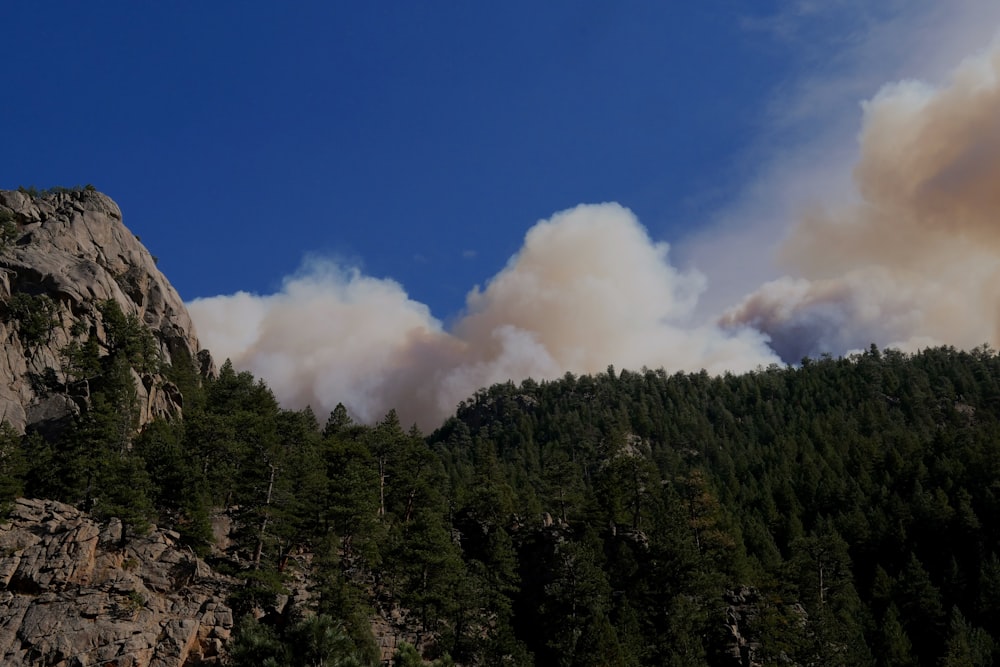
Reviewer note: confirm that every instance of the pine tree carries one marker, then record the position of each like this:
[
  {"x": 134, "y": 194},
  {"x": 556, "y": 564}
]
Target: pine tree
[{"x": 13, "y": 465}]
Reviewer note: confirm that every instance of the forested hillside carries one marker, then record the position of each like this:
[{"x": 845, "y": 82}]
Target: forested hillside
[{"x": 846, "y": 512}]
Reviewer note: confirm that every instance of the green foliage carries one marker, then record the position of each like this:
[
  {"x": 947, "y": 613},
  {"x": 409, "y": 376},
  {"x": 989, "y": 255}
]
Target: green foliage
[
  {"x": 129, "y": 338},
  {"x": 320, "y": 640},
  {"x": 316, "y": 641},
  {"x": 132, "y": 603},
  {"x": 576, "y": 605},
  {"x": 9, "y": 231},
  {"x": 183, "y": 373},
  {"x": 967, "y": 646},
  {"x": 341, "y": 596},
  {"x": 13, "y": 465},
  {"x": 843, "y": 513},
  {"x": 352, "y": 500},
  {"x": 93, "y": 462},
  {"x": 34, "y": 315},
  {"x": 803, "y": 484},
  {"x": 256, "y": 645},
  {"x": 35, "y": 193},
  {"x": 259, "y": 591},
  {"x": 407, "y": 656},
  {"x": 178, "y": 489},
  {"x": 45, "y": 476},
  {"x": 427, "y": 566},
  {"x": 338, "y": 422},
  {"x": 82, "y": 361},
  {"x": 123, "y": 491}
]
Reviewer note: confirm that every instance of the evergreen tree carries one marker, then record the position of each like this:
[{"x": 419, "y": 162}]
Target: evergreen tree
[{"x": 13, "y": 465}]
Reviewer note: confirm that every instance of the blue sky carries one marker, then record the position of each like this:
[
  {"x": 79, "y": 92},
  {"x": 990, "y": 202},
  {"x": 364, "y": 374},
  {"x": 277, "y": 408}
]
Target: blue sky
[
  {"x": 392, "y": 204},
  {"x": 420, "y": 140}
]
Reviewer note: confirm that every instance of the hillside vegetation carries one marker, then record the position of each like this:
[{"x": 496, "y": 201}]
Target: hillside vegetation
[{"x": 846, "y": 512}]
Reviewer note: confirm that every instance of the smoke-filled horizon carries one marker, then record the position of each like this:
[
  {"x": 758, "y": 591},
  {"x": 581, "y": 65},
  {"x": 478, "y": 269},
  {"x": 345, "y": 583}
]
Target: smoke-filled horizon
[
  {"x": 913, "y": 259},
  {"x": 909, "y": 259},
  {"x": 587, "y": 289}
]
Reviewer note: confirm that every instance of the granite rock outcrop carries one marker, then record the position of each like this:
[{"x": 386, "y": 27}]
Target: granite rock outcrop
[
  {"x": 74, "y": 593},
  {"x": 71, "y": 252}
]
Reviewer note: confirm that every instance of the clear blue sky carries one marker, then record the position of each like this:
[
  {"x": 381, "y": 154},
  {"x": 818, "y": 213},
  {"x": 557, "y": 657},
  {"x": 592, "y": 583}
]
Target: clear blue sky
[{"x": 419, "y": 140}]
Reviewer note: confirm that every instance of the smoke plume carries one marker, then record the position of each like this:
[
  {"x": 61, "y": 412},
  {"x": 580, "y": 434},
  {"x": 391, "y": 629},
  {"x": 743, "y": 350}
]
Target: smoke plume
[
  {"x": 588, "y": 288},
  {"x": 908, "y": 257},
  {"x": 914, "y": 259}
]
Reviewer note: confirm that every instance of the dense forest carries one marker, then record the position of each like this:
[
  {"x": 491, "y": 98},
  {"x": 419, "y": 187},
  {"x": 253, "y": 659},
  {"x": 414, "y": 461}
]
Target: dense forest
[{"x": 842, "y": 512}]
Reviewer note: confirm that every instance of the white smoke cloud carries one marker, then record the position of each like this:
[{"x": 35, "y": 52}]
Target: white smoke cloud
[
  {"x": 804, "y": 147},
  {"x": 588, "y": 288},
  {"x": 915, "y": 259}
]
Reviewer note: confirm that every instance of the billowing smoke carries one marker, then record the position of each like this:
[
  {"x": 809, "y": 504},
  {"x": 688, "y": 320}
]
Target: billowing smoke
[
  {"x": 910, "y": 257},
  {"x": 588, "y": 289},
  {"x": 915, "y": 258}
]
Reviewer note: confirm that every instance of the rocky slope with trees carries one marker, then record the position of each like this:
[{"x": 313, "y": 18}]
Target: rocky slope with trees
[
  {"x": 843, "y": 512},
  {"x": 76, "y": 285}
]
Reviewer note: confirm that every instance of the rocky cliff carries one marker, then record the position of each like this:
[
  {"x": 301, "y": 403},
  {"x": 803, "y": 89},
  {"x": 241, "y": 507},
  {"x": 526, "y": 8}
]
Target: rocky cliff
[
  {"x": 64, "y": 254},
  {"x": 72, "y": 595}
]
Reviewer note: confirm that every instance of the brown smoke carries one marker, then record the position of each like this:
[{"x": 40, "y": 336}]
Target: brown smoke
[
  {"x": 588, "y": 288},
  {"x": 915, "y": 259}
]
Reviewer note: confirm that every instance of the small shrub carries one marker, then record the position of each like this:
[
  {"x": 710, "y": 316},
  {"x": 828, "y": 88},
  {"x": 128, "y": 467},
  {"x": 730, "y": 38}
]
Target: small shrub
[
  {"x": 35, "y": 193},
  {"x": 9, "y": 231},
  {"x": 129, "y": 605}
]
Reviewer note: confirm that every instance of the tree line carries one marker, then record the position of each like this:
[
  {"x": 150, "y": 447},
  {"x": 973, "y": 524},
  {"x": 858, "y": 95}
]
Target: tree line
[{"x": 841, "y": 512}]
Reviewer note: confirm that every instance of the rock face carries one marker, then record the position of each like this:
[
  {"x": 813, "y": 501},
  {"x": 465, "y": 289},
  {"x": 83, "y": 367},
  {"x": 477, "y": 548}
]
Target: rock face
[
  {"x": 72, "y": 596},
  {"x": 73, "y": 248}
]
